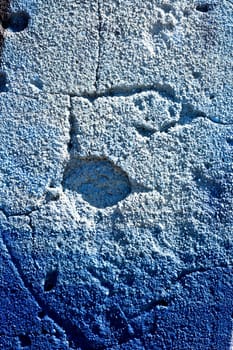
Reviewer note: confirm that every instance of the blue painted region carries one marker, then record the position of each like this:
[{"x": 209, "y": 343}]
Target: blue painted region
[
  {"x": 197, "y": 315},
  {"x": 22, "y": 325},
  {"x": 17, "y": 305},
  {"x": 9, "y": 343},
  {"x": 200, "y": 316}
]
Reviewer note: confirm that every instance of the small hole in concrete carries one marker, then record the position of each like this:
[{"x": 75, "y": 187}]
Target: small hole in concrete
[
  {"x": 207, "y": 165},
  {"x": 3, "y": 82},
  {"x": 24, "y": 340},
  {"x": 196, "y": 75},
  {"x": 59, "y": 245},
  {"x": 166, "y": 8},
  {"x": 144, "y": 131},
  {"x": 204, "y": 7},
  {"x": 50, "y": 280},
  {"x": 163, "y": 303},
  {"x": 172, "y": 111},
  {"x": 17, "y": 21},
  {"x": 230, "y": 141},
  {"x": 212, "y": 290},
  {"x": 38, "y": 83},
  {"x": 41, "y": 314},
  {"x": 52, "y": 194}
]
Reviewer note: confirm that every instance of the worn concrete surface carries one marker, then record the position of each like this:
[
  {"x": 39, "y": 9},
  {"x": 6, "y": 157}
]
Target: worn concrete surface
[{"x": 116, "y": 190}]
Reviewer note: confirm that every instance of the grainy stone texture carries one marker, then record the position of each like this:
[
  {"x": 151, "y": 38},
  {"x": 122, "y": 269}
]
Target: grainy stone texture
[
  {"x": 34, "y": 134},
  {"x": 116, "y": 185},
  {"x": 57, "y": 52}
]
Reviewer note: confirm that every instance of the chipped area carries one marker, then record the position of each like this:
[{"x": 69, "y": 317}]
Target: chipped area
[{"x": 99, "y": 181}]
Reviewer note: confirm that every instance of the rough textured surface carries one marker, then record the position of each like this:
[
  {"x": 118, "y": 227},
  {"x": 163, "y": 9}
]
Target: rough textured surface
[
  {"x": 58, "y": 50},
  {"x": 34, "y": 134},
  {"x": 116, "y": 182}
]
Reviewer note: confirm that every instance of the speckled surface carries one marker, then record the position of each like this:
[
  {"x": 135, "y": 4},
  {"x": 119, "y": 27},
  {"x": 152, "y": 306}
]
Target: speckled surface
[{"x": 116, "y": 185}]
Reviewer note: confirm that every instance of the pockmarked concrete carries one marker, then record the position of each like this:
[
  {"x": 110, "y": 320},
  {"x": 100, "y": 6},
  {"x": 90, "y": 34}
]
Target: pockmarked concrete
[{"x": 116, "y": 190}]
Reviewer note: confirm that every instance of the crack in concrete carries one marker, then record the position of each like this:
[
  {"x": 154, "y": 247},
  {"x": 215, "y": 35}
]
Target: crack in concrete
[
  {"x": 187, "y": 115},
  {"x": 22, "y": 213},
  {"x": 167, "y": 299},
  {"x": 26, "y": 213},
  {"x": 165, "y": 90},
  {"x": 71, "y": 124},
  {"x": 97, "y": 73},
  {"x": 189, "y": 272}
]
